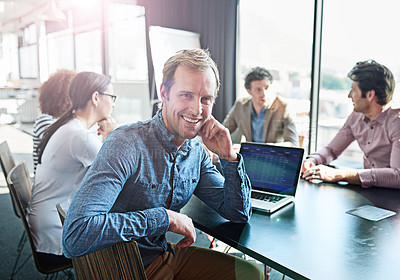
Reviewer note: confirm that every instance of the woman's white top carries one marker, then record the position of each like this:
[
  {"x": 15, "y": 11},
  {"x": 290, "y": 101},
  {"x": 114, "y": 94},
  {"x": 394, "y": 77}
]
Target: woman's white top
[{"x": 67, "y": 156}]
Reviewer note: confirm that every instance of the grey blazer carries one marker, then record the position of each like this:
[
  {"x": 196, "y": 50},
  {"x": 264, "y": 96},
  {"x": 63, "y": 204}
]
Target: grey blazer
[{"x": 278, "y": 124}]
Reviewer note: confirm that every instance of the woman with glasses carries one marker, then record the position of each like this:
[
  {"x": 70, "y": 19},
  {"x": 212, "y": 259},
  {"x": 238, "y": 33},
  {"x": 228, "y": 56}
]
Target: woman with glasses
[{"x": 65, "y": 153}]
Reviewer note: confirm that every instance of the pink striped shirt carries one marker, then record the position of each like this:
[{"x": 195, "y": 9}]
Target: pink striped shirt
[{"x": 379, "y": 139}]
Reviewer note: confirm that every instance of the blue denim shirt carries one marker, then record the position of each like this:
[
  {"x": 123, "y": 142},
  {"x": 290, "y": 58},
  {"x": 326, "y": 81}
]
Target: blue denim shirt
[
  {"x": 257, "y": 125},
  {"x": 139, "y": 173}
]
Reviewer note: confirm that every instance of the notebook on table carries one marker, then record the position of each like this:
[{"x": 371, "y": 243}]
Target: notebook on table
[{"x": 274, "y": 172}]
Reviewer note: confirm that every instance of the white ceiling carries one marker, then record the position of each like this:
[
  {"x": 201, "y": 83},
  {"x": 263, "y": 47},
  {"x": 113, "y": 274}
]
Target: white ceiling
[{"x": 18, "y": 13}]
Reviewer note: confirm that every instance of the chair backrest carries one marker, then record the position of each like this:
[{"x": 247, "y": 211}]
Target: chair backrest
[
  {"x": 120, "y": 261},
  {"x": 7, "y": 163},
  {"x": 61, "y": 213},
  {"x": 20, "y": 185},
  {"x": 19, "y": 179},
  {"x": 6, "y": 159}
]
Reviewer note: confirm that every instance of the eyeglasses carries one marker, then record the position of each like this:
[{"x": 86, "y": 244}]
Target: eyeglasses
[{"x": 113, "y": 97}]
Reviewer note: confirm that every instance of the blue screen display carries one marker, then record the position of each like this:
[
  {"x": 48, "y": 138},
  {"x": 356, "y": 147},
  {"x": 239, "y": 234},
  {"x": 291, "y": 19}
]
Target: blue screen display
[{"x": 272, "y": 168}]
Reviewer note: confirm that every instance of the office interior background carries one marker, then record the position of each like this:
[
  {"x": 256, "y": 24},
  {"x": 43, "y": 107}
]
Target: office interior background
[{"x": 308, "y": 45}]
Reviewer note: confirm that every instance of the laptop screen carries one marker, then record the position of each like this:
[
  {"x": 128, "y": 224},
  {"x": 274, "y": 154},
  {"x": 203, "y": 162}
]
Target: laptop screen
[{"x": 272, "y": 168}]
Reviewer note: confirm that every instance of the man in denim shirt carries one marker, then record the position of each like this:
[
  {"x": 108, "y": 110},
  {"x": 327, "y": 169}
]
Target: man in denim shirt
[{"x": 147, "y": 171}]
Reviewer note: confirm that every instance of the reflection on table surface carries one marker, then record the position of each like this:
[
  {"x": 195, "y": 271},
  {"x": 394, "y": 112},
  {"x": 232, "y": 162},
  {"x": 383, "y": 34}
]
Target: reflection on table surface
[{"x": 314, "y": 237}]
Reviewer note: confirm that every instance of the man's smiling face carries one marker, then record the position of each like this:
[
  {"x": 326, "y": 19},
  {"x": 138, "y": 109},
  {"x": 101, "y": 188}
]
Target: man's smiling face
[{"x": 189, "y": 102}]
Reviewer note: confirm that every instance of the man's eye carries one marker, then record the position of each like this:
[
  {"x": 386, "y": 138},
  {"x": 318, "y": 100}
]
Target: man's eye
[{"x": 206, "y": 100}]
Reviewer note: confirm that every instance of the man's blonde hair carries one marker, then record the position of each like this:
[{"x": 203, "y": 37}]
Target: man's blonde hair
[{"x": 193, "y": 59}]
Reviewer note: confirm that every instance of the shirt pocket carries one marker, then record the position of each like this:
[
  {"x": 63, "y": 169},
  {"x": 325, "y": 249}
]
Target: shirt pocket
[
  {"x": 150, "y": 195},
  {"x": 184, "y": 190}
]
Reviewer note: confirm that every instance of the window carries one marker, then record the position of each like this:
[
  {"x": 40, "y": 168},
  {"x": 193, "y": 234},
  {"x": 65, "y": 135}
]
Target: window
[
  {"x": 28, "y": 61},
  {"x": 9, "y": 66},
  {"x": 279, "y": 38},
  {"x": 364, "y": 31},
  {"x": 127, "y": 42},
  {"x": 60, "y": 51},
  {"x": 28, "y": 52},
  {"x": 88, "y": 51}
]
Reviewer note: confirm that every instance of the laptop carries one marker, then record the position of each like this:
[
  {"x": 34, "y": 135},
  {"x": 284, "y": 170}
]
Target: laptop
[{"x": 274, "y": 172}]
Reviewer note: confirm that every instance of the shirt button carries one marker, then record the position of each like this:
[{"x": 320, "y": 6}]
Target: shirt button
[
  {"x": 373, "y": 164},
  {"x": 369, "y": 142},
  {"x": 372, "y": 127},
  {"x": 366, "y": 156}
]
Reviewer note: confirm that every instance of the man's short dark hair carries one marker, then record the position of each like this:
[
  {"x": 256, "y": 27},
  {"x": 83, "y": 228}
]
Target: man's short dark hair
[
  {"x": 371, "y": 75},
  {"x": 257, "y": 74}
]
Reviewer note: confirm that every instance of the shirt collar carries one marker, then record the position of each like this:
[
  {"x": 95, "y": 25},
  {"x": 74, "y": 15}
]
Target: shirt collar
[
  {"x": 166, "y": 137},
  {"x": 380, "y": 118},
  {"x": 253, "y": 112}
]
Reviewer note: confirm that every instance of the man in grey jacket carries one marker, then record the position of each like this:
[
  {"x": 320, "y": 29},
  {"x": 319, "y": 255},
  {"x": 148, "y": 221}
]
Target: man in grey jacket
[{"x": 259, "y": 118}]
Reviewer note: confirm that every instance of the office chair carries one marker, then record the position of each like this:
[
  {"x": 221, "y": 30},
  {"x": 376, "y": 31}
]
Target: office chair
[
  {"x": 7, "y": 163},
  {"x": 21, "y": 187},
  {"x": 120, "y": 261}
]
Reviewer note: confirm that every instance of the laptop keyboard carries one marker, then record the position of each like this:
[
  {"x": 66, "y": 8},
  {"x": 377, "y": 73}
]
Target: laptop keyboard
[{"x": 266, "y": 197}]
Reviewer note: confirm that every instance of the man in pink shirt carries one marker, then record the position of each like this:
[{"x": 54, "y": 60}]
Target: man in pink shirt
[{"x": 373, "y": 124}]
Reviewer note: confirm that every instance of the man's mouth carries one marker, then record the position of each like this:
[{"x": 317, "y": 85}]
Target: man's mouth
[{"x": 190, "y": 120}]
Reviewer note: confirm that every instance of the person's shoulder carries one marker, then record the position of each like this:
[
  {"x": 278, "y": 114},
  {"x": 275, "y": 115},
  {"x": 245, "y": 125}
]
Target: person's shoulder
[
  {"x": 279, "y": 102},
  {"x": 134, "y": 127},
  {"x": 393, "y": 117},
  {"x": 355, "y": 116},
  {"x": 132, "y": 132},
  {"x": 394, "y": 113},
  {"x": 243, "y": 100},
  {"x": 44, "y": 118},
  {"x": 42, "y": 122}
]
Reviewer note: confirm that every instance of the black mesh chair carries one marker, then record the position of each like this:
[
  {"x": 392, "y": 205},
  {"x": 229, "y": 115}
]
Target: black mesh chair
[
  {"x": 120, "y": 261},
  {"x": 20, "y": 186}
]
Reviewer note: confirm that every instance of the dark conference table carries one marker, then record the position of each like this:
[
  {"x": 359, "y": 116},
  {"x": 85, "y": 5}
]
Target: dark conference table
[{"x": 313, "y": 238}]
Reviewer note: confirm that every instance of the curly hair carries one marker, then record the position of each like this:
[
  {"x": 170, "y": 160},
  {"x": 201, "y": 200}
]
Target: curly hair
[
  {"x": 371, "y": 75},
  {"x": 53, "y": 94}
]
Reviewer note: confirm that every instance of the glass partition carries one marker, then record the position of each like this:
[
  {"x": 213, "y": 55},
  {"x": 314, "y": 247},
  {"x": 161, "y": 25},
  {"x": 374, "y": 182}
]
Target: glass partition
[
  {"x": 277, "y": 35},
  {"x": 363, "y": 31}
]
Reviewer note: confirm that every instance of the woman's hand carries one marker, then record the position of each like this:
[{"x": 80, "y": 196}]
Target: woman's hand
[{"x": 106, "y": 126}]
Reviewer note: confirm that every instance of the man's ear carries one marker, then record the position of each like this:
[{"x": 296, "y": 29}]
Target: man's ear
[
  {"x": 370, "y": 95},
  {"x": 248, "y": 90},
  {"x": 95, "y": 98},
  {"x": 163, "y": 93}
]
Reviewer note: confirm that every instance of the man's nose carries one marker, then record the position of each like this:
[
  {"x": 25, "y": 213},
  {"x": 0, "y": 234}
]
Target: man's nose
[
  {"x": 349, "y": 95},
  {"x": 263, "y": 93},
  {"x": 196, "y": 107}
]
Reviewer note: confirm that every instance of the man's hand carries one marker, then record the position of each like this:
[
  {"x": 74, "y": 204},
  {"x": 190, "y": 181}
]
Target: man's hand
[
  {"x": 322, "y": 172},
  {"x": 329, "y": 174},
  {"x": 182, "y": 224},
  {"x": 106, "y": 126},
  {"x": 307, "y": 164},
  {"x": 216, "y": 137}
]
